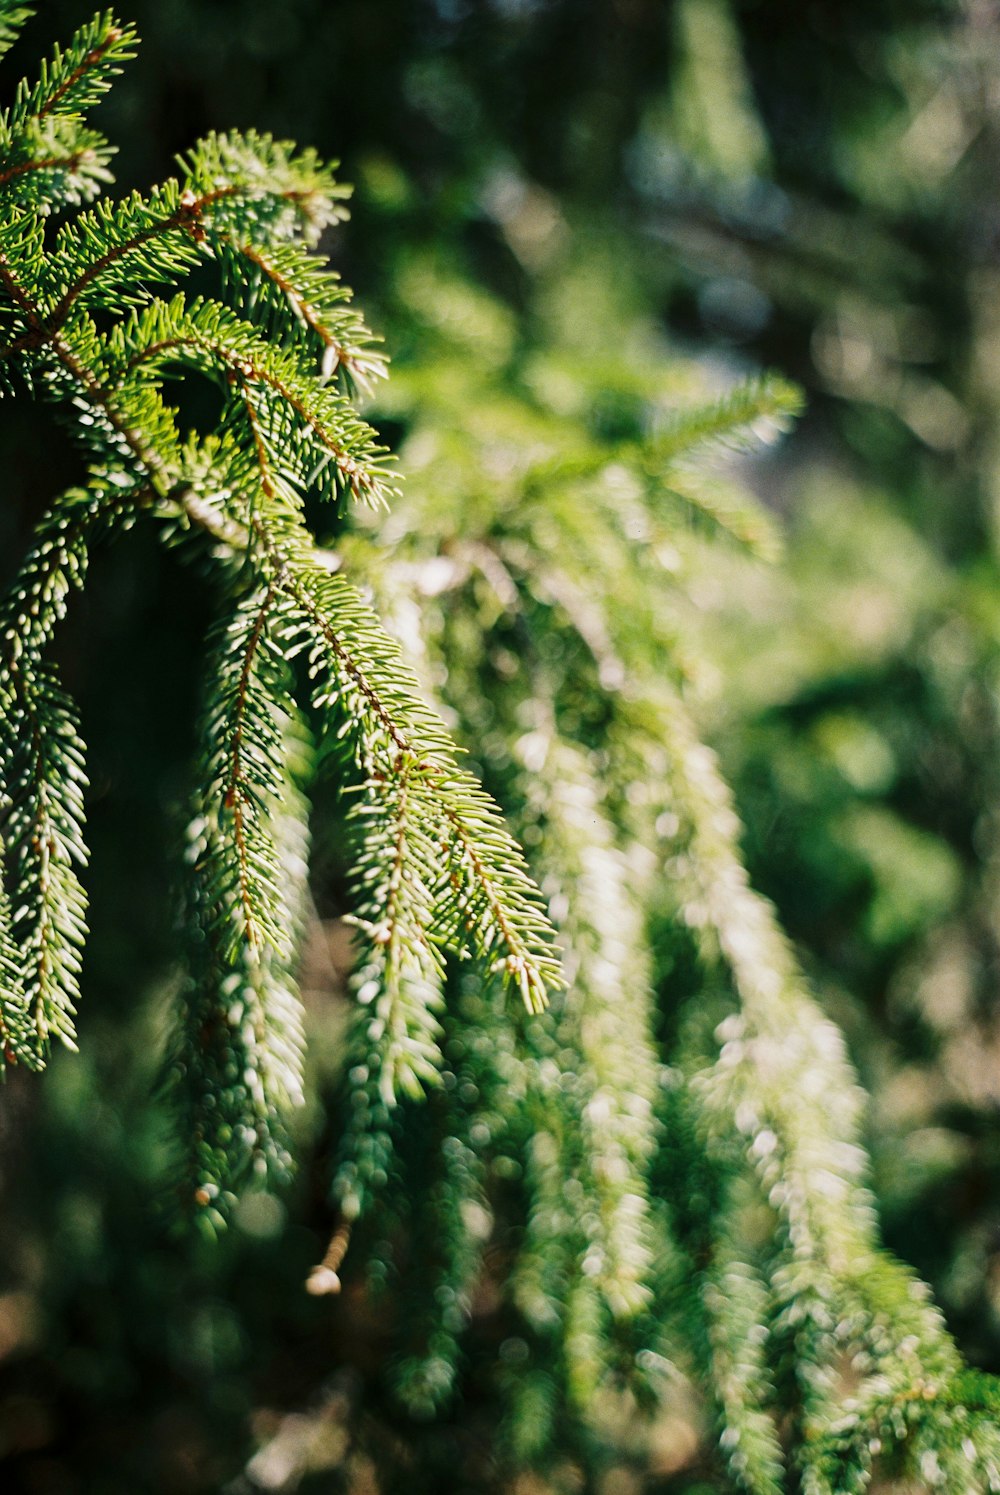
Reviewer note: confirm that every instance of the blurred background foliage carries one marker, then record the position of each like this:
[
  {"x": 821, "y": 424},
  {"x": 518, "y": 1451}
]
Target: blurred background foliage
[{"x": 562, "y": 195}]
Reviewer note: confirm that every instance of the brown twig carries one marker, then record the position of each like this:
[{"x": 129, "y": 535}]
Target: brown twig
[{"x": 323, "y": 1278}]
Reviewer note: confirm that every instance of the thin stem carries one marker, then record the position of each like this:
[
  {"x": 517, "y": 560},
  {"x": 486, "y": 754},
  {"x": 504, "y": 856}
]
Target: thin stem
[
  {"x": 43, "y": 163},
  {"x": 235, "y": 796}
]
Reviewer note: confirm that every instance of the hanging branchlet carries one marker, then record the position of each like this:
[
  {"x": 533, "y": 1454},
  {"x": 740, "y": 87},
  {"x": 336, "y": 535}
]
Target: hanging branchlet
[
  {"x": 605, "y": 1020},
  {"x": 485, "y": 905},
  {"x": 402, "y": 982},
  {"x": 81, "y": 323},
  {"x": 816, "y": 1351},
  {"x": 736, "y": 1306},
  {"x": 41, "y": 759},
  {"x": 236, "y": 1068},
  {"x": 782, "y": 1086},
  {"x": 42, "y": 766}
]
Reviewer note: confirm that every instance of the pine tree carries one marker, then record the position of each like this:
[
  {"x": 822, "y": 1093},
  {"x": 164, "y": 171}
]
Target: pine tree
[{"x": 662, "y": 1128}]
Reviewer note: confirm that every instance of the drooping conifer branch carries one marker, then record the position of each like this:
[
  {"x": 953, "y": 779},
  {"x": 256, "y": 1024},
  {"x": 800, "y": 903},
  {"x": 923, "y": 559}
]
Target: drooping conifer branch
[
  {"x": 404, "y": 978},
  {"x": 767, "y": 1318},
  {"x": 551, "y": 1140},
  {"x": 238, "y": 797},
  {"x": 736, "y": 1305},
  {"x": 579, "y": 1101},
  {"x": 782, "y": 1085},
  {"x": 451, "y": 1221},
  {"x": 41, "y": 758},
  {"x": 605, "y": 1020},
  {"x": 240, "y": 1033},
  {"x": 284, "y": 434},
  {"x": 490, "y": 908}
]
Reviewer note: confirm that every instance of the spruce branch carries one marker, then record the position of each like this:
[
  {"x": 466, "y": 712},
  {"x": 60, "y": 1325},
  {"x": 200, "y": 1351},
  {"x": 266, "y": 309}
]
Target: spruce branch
[
  {"x": 736, "y": 1305},
  {"x": 561, "y": 1116},
  {"x": 324, "y": 324},
  {"x": 803, "y": 1323},
  {"x": 767, "y": 403},
  {"x": 486, "y": 905},
  {"x": 17, "y": 1031},
  {"x": 459, "y": 883},
  {"x": 403, "y": 980},
  {"x": 781, "y": 1084},
  {"x": 604, "y": 1020},
  {"x": 76, "y": 78},
  {"x": 12, "y": 17},
  {"x": 578, "y": 1102},
  {"x": 451, "y": 1223},
  {"x": 51, "y": 158},
  {"x": 245, "y": 767},
  {"x": 236, "y": 1067},
  {"x": 42, "y": 766},
  {"x": 298, "y": 426}
]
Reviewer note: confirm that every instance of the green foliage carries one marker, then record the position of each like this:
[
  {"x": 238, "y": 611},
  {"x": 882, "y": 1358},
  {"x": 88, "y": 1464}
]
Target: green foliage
[
  {"x": 284, "y": 432},
  {"x": 51, "y": 158},
  {"x": 237, "y": 1068},
  {"x": 774, "y": 1293},
  {"x": 654, "y": 1175}
]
